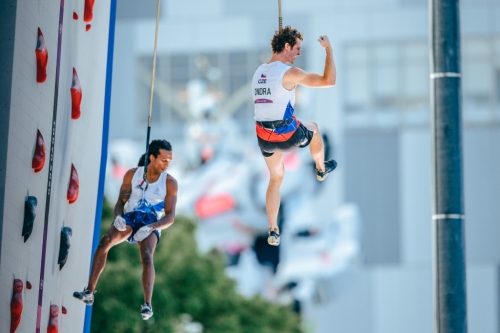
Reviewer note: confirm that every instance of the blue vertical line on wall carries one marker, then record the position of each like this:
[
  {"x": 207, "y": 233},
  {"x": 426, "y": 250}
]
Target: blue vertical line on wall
[{"x": 104, "y": 148}]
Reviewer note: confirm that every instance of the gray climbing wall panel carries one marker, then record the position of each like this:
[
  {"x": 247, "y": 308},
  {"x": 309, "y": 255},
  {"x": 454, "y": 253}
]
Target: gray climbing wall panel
[{"x": 28, "y": 108}]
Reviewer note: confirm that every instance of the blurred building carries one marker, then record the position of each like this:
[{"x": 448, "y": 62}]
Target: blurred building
[{"x": 377, "y": 116}]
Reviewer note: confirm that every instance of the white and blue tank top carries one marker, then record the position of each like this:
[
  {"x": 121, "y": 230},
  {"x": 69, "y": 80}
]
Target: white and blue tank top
[
  {"x": 271, "y": 100},
  {"x": 154, "y": 197}
]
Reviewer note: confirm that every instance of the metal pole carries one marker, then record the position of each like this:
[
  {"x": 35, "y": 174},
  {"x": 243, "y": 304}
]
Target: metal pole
[{"x": 450, "y": 308}]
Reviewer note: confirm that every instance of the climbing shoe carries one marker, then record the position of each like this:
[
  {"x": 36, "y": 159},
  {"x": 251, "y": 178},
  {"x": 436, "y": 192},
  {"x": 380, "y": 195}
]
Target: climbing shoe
[{"x": 329, "y": 167}]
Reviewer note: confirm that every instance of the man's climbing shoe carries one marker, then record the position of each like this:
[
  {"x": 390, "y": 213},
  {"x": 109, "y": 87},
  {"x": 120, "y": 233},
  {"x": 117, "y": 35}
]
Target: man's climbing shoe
[
  {"x": 273, "y": 237},
  {"x": 146, "y": 311},
  {"x": 85, "y": 296},
  {"x": 329, "y": 167}
]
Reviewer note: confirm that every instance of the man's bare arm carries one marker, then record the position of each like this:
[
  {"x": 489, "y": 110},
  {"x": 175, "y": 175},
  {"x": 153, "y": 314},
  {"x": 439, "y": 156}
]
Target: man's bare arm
[
  {"x": 296, "y": 75},
  {"x": 125, "y": 191},
  {"x": 170, "y": 201}
]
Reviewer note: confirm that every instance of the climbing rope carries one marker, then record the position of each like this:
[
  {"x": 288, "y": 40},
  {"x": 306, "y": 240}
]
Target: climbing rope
[
  {"x": 280, "y": 17},
  {"x": 146, "y": 156}
]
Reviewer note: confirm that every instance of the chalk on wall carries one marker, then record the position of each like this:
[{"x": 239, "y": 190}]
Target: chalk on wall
[
  {"x": 64, "y": 246},
  {"x": 29, "y": 216},
  {"x": 39, "y": 156},
  {"x": 16, "y": 305},
  {"x": 88, "y": 13},
  {"x": 42, "y": 58},
  {"x": 53, "y": 326},
  {"x": 76, "y": 96},
  {"x": 74, "y": 186}
]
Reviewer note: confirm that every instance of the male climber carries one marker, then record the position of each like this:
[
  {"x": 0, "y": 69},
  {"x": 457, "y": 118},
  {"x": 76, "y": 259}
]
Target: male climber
[
  {"x": 278, "y": 131},
  {"x": 143, "y": 209}
]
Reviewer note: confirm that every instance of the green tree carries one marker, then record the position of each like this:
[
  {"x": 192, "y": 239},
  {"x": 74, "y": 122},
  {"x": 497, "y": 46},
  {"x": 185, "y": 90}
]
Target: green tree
[{"x": 187, "y": 282}]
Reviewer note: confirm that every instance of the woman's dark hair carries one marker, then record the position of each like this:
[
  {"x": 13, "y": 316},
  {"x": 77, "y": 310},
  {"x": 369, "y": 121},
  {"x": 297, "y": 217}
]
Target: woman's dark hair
[
  {"x": 154, "y": 149},
  {"x": 283, "y": 36}
]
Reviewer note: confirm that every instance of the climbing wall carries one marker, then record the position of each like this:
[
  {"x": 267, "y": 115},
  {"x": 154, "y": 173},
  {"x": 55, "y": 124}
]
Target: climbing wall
[{"x": 55, "y": 134}]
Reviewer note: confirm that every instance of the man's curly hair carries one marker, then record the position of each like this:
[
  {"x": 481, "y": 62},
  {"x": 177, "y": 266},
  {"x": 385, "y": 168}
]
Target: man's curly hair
[{"x": 283, "y": 36}]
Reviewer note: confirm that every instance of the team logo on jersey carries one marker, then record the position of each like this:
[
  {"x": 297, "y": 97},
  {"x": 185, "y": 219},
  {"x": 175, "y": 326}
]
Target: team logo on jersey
[
  {"x": 262, "y": 78},
  {"x": 156, "y": 190}
]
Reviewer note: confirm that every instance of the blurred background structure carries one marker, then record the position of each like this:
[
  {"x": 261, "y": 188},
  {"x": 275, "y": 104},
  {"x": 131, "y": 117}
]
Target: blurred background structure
[{"x": 377, "y": 122}]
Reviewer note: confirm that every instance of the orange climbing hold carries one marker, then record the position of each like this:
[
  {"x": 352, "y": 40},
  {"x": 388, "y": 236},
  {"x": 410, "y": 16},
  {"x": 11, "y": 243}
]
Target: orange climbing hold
[
  {"x": 88, "y": 13},
  {"x": 42, "y": 58},
  {"x": 16, "y": 305},
  {"x": 39, "y": 157},
  {"x": 76, "y": 96},
  {"x": 74, "y": 186},
  {"x": 53, "y": 319}
]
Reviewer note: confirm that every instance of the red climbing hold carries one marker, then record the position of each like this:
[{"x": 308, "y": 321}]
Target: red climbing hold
[
  {"x": 76, "y": 96},
  {"x": 39, "y": 157},
  {"x": 53, "y": 319},
  {"x": 74, "y": 185},
  {"x": 75, "y": 16},
  {"x": 42, "y": 57},
  {"x": 87, "y": 27},
  {"x": 88, "y": 14},
  {"x": 28, "y": 285},
  {"x": 64, "y": 311},
  {"x": 16, "y": 305}
]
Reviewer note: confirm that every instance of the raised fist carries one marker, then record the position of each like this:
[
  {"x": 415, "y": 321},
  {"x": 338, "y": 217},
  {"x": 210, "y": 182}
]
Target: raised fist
[{"x": 324, "y": 41}]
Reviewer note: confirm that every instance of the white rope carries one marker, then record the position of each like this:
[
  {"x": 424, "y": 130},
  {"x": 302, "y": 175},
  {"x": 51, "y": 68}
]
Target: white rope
[{"x": 146, "y": 157}]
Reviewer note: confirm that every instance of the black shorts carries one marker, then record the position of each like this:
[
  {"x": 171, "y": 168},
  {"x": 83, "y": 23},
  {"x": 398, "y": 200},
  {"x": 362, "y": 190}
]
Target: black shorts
[{"x": 301, "y": 138}]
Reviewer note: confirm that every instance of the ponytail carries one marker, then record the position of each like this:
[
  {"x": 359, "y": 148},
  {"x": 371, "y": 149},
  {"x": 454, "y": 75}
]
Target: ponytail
[{"x": 142, "y": 160}]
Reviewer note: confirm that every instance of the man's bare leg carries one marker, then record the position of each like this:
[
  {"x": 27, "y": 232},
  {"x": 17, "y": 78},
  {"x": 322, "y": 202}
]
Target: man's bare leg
[
  {"x": 316, "y": 146},
  {"x": 147, "y": 249},
  {"x": 277, "y": 173},
  {"x": 110, "y": 239}
]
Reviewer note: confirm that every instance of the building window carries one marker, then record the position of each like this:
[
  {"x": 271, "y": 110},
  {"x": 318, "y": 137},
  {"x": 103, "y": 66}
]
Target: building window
[
  {"x": 387, "y": 77},
  {"x": 478, "y": 80},
  {"x": 393, "y": 78}
]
